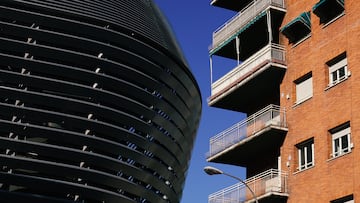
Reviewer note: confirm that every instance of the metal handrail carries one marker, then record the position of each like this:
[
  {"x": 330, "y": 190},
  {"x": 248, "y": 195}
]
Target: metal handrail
[
  {"x": 272, "y": 180},
  {"x": 271, "y": 52},
  {"x": 242, "y": 18},
  {"x": 270, "y": 115}
]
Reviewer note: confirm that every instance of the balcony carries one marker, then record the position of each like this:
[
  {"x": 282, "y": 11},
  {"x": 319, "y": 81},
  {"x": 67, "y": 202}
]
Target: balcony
[
  {"x": 243, "y": 19},
  {"x": 256, "y": 136},
  {"x": 255, "y": 80},
  {"x": 234, "y": 5},
  {"x": 269, "y": 186}
]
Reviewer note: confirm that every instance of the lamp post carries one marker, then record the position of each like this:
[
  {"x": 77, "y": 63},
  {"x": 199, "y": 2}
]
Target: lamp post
[{"x": 214, "y": 171}]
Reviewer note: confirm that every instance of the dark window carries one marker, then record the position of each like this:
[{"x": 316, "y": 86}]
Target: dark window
[
  {"x": 298, "y": 29},
  {"x": 305, "y": 154},
  {"x": 327, "y": 10},
  {"x": 346, "y": 199}
]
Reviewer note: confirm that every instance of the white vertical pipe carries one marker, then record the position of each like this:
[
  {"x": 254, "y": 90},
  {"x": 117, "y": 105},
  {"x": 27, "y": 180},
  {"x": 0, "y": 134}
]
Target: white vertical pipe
[
  {"x": 268, "y": 15},
  {"x": 211, "y": 73},
  {"x": 238, "y": 49}
]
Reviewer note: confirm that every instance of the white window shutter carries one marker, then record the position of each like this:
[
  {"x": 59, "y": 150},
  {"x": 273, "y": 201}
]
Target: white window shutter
[{"x": 304, "y": 90}]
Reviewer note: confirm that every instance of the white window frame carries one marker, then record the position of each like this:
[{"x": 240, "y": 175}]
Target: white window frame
[
  {"x": 344, "y": 133},
  {"x": 304, "y": 147},
  {"x": 336, "y": 69},
  {"x": 304, "y": 90}
]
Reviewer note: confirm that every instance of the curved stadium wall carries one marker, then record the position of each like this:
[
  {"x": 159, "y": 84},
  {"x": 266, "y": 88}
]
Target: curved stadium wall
[{"x": 97, "y": 103}]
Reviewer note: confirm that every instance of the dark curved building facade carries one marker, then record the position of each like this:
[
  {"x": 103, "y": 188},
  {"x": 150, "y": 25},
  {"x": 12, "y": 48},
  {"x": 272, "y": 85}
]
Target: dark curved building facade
[{"x": 97, "y": 103}]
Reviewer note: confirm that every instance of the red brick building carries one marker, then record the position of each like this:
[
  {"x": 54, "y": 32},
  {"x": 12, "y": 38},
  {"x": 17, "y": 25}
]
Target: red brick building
[{"x": 296, "y": 78}]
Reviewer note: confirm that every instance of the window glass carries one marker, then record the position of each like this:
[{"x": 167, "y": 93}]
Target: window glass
[
  {"x": 302, "y": 157},
  {"x": 334, "y": 77},
  {"x": 309, "y": 155},
  {"x": 338, "y": 70},
  {"x": 342, "y": 72},
  {"x": 345, "y": 143},
  {"x": 306, "y": 154},
  {"x": 341, "y": 142}
]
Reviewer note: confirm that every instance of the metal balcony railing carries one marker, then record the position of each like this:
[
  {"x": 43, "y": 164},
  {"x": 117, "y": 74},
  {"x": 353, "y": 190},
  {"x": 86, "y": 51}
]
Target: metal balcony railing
[
  {"x": 271, "y": 181},
  {"x": 270, "y": 53},
  {"x": 270, "y": 115},
  {"x": 238, "y": 21}
]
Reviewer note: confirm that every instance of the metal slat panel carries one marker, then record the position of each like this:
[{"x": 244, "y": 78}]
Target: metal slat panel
[{"x": 96, "y": 82}]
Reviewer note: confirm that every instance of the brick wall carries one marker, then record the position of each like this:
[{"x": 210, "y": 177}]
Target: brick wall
[{"x": 329, "y": 179}]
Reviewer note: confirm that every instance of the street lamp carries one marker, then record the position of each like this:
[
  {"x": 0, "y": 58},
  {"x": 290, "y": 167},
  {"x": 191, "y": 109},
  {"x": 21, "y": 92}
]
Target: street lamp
[{"x": 214, "y": 171}]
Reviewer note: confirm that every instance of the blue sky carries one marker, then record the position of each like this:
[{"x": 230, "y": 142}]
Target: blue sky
[{"x": 193, "y": 22}]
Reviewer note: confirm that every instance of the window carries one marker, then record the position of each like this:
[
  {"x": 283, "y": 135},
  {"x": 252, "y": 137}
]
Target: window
[
  {"x": 305, "y": 154},
  {"x": 304, "y": 88},
  {"x": 347, "y": 199},
  {"x": 298, "y": 29},
  {"x": 341, "y": 140},
  {"x": 329, "y": 10},
  {"x": 338, "y": 70}
]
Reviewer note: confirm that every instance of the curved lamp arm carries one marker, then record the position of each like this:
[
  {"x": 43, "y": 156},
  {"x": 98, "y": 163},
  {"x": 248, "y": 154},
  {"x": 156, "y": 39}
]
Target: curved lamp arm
[{"x": 214, "y": 171}]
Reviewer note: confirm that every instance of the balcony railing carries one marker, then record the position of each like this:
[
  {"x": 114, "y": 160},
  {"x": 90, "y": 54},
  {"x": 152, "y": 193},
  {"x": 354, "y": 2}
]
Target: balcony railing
[
  {"x": 272, "y": 181},
  {"x": 270, "y": 115},
  {"x": 242, "y": 18},
  {"x": 268, "y": 54}
]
